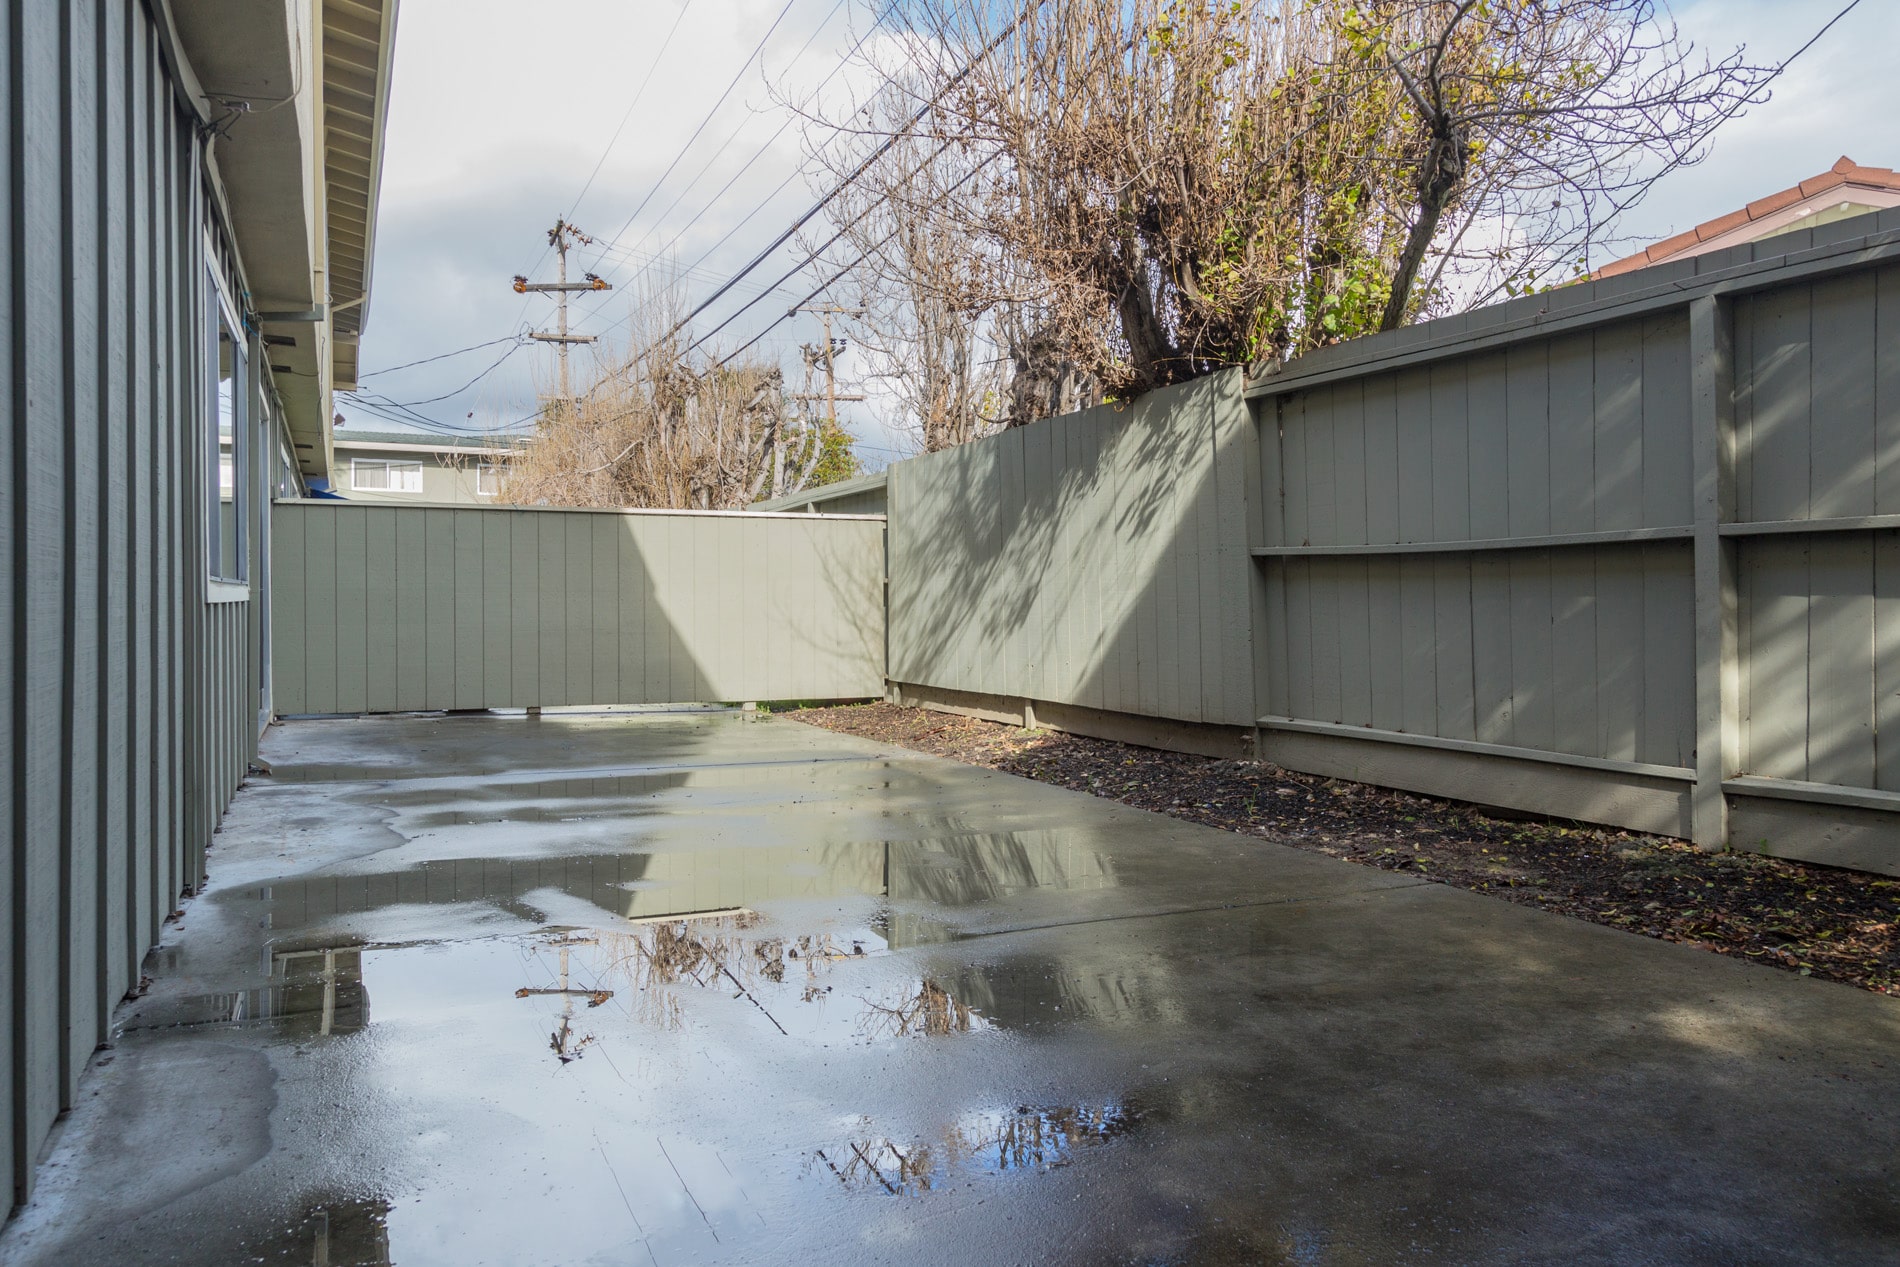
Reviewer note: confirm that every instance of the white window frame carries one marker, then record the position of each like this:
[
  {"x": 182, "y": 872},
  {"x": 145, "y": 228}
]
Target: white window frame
[
  {"x": 389, "y": 466},
  {"x": 221, "y": 312},
  {"x": 488, "y": 478}
]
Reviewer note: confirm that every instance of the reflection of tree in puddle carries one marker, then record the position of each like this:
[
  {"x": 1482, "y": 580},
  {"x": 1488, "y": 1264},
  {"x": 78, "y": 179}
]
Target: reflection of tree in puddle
[
  {"x": 932, "y": 1010},
  {"x": 649, "y": 964},
  {"x": 1023, "y": 1139}
]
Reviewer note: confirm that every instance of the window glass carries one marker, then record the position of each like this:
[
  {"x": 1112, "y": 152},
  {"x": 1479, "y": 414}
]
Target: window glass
[
  {"x": 379, "y": 475},
  {"x": 488, "y": 479},
  {"x": 226, "y": 448}
]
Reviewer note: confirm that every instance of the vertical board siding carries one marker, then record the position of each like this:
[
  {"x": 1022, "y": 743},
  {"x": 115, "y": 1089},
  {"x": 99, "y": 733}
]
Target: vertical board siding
[
  {"x": 128, "y": 705},
  {"x": 500, "y": 607},
  {"x": 1098, "y": 560}
]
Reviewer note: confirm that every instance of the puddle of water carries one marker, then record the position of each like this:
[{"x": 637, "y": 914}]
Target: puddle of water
[
  {"x": 332, "y": 1232},
  {"x": 996, "y": 1142},
  {"x": 915, "y": 877},
  {"x": 313, "y": 993}
]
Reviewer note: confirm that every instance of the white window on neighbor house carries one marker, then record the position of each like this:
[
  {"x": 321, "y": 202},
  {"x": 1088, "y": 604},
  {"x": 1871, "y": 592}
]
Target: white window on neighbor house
[
  {"x": 379, "y": 476},
  {"x": 488, "y": 478}
]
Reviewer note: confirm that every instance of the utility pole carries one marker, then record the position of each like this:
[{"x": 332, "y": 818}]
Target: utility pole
[
  {"x": 825, "y": 354},
  {"x": 560, "y": 237}
]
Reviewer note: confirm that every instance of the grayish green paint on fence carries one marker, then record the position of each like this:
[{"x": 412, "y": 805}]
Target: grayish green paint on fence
[
  {"x": 383, "y": 608},
  {"x": 1097, "y": 559},
  {"x": 128, "y": 703},
  {"x": 1627, "y": 551}
]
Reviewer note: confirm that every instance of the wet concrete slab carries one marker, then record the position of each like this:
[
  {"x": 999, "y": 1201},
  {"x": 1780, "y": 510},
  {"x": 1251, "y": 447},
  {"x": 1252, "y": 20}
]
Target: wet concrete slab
[{"x": 695, "y": 989}]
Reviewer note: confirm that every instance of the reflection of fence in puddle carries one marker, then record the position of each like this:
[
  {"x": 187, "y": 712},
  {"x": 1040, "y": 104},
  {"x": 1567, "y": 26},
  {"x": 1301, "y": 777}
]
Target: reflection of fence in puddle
[
  {"x": 332, "y": 1232},
  {"x": 1007, "y": 1141}
]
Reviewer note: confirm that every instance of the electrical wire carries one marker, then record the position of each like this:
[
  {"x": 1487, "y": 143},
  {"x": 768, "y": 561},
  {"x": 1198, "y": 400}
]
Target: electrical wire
[
  {"x": 497, "y": 364},
  {"x": 703, "y": 124},
  {"x": 889, "y": 143},
  {"x": 665, "y": 251},
  {"x": 442, "y": 356}
]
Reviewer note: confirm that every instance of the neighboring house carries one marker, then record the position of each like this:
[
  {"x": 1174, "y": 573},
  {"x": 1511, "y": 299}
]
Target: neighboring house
[
  {"x": 410, "y": 466},
  {"x": 861, "y": 496},
  {"x": 188, "y": 199},
  {"x": 1844, "y": 190}
]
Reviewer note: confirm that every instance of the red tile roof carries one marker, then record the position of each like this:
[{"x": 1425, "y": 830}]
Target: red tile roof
[{"x": 1844, "y": 172}]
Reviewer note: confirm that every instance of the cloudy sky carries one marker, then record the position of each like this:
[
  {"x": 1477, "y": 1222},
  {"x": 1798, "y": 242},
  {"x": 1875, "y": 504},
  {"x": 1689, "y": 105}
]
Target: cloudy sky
[{"x": 506, "y": 114}]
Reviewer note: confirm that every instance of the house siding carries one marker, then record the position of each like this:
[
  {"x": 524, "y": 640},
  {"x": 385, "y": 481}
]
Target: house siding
[{"x": 128, "y": 701}]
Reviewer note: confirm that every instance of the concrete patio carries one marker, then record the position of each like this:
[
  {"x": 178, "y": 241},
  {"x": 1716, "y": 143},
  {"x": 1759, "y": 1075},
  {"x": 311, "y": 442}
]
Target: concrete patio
[{"x": 673, "y": 987}]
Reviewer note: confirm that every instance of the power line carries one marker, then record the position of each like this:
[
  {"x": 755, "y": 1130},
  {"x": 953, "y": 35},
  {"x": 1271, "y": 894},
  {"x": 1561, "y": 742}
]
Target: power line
[
  {"x": 638, "y": 93},
  {"x": 734, "y": 135},
  {"x": 497, "y": 364},
  {"x": 756, "y": 156},
  {"x": 613, "y": 140},
  {"x": 703, "y": 123},
  {"x": 442, "y": 356}
]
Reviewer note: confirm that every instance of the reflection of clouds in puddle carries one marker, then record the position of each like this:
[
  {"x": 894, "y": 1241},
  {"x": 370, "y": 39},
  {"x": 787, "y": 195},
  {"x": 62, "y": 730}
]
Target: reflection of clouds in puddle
[{"x": 994, "y": 1142}]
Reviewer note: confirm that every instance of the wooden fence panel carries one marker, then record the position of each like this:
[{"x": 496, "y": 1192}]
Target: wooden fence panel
[{"x": 440, "y": 607}]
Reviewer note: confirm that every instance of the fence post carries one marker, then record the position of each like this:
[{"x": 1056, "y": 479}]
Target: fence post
[{"x": 1712, "y": 436}]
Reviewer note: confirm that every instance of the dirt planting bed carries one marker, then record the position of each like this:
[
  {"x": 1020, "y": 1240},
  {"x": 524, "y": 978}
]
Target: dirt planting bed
[{"x": 1841, "y": 925}]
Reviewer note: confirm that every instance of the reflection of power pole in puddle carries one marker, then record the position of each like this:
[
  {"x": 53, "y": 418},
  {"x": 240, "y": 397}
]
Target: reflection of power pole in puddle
[{"x": 561, "y": 1040}]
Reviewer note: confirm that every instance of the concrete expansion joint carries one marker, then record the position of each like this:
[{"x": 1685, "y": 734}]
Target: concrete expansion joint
[{"x": 1198, "y": 910}]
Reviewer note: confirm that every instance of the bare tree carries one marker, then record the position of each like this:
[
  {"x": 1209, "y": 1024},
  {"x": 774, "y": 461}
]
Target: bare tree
[
  {"x": 667, "y": 427},
  {"x": 922, "y": 287},
  {"x": 1173, "y": 187}
]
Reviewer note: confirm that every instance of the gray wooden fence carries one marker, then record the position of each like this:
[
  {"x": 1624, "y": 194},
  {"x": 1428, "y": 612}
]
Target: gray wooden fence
[
  {"x": 382, "y": 608},
  {"x": 1627, "y": 552},
  {"x": 1087, "y": 562}
]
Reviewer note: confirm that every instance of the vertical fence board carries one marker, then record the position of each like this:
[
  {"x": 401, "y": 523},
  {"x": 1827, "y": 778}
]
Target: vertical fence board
[
  {"x": 1491, "y": 638},
  {"x": 1489, "y": 440},
  {"x": 1386, "y": 636},
  {"x": 1886, "y": 336},
  {"x": 1574, "y": 652},
  {"x": 1887, "y": 660},
  {"x": 1527, "y": 439},
  {"x": 1840, "y": 674},
  {"x": 1382, "y": 461},
  {"x": 1413, "y": 404},
  {"x": 1451, "y": 453},
  {"x": 1620, "y": 645},
  {"x": 1617, "y": 397},
  {"x": 380, "y": 584},
  {"x": 1777, "y": 473},
  {"x": 1452, "y": 668},
  {"x": 1843, "y": 438},
  {"x": 1666, "y": 466},
  {"x": 497, "y": 620},
  {"x": 1571, "y": 409},
  {"x": 1775, "y": 577}
]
